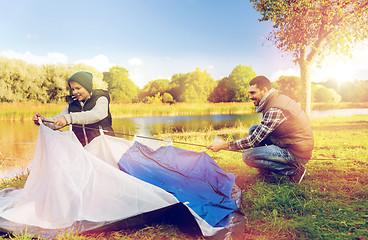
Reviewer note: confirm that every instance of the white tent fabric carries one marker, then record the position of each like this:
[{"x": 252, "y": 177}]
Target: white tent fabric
[
  {"x": 69, "y": 185},
  {"x": 110, "y": 149}
]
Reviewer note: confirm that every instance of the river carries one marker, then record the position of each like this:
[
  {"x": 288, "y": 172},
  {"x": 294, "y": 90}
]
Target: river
[{"x": 18, "y": 138}]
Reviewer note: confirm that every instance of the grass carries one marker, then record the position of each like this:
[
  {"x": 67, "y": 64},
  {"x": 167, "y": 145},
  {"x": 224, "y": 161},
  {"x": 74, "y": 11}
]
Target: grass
[
  {"x": 20, "y": 111},
  {"x": 144, "y": 233},
  {"x": 330, "y": 203},
  {"x": 15, "y": 182},
  {"x": 341, "y": 105}
]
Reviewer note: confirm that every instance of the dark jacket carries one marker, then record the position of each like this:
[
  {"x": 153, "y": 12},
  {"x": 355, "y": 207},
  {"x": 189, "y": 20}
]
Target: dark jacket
[
  {"x": 295, "y": 133},
  {"x": 85, "y": 133}
]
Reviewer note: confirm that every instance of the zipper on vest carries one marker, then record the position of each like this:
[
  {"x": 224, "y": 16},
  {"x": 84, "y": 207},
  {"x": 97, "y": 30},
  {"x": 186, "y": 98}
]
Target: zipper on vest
[{"x": 84, "y": 130}]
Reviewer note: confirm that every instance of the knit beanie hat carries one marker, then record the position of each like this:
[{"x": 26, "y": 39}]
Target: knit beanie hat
[{"x": 84, "y": 79}]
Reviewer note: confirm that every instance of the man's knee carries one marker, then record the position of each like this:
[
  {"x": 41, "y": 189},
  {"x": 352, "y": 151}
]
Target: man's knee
[{"x": 248, "y": 157}]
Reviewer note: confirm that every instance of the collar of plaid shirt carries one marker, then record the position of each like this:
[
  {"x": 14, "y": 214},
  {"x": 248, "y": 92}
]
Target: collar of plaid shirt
[{"x": 263, "y": 100}]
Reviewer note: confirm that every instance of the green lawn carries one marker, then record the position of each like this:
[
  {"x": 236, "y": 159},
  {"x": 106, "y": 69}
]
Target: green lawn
[{"x": 330, "y": 203}]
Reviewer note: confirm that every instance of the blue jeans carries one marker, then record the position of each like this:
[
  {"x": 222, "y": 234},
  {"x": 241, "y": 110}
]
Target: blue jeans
[{"x": 268, "y": 157}]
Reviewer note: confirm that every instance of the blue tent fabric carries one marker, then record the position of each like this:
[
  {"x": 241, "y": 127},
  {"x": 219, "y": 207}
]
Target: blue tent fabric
[{"x": 193, "y": 178}]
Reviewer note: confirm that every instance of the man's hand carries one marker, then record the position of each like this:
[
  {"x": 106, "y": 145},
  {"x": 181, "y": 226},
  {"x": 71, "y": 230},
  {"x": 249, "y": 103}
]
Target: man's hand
[
  {"x": 36, "y": 116},
  {"x": 61, "y": 121},
  {"x": 217, "y": 146}
]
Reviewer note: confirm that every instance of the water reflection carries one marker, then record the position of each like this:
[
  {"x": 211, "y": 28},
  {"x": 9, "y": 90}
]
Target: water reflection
[
  {"x": 149, "y": 126},
  {"x": 17, "y": 143}
]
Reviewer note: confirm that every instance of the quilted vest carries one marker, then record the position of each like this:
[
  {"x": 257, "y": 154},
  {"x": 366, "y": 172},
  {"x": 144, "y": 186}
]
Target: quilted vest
[
  {"x": 85, "y": 133},
  {"x": 295, "y": 133}
]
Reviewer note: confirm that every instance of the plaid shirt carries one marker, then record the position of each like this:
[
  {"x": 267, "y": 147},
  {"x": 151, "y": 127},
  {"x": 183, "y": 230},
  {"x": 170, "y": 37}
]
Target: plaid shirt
[{"x": 270, "y": 121}]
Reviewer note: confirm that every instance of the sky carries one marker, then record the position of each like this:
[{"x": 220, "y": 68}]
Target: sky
[{"x": 156, "y": 39}]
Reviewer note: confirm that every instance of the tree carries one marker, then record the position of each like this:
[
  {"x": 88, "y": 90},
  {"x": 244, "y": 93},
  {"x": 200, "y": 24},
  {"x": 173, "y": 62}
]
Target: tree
[
  {"x": 160, "y": 86},
  {"x": 223, "y": 92},
  {"x": 10, "y": 72},
  {"x": 56, "y": 81},
  {"x": 290, "y": 86},
  {"x": 312, "y": 29},
  {"x": 193, "y": 87},
  {"x": 354, "y": 91},
  {"x": 321, "y": 93},
  {"x": 119, "y": 85},
  {"x": 167, "y": 98},
  {"x": 20, "y": 81},
  {"x": 154, "y": 99},
  {"x": 332, "y": 83},
  {"x": 175, "y": 85},
  {"x": 239, "y": 80}
]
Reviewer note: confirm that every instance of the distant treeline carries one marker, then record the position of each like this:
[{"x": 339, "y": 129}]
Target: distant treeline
[
  {"x": 330, "y": 91},
  {"x": 21, "y": 82}
]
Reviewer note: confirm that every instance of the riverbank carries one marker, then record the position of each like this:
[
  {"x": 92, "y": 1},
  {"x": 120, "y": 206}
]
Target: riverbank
[
  {"x": 22, "y": 111},
  {"x": 330, "y": 203}
]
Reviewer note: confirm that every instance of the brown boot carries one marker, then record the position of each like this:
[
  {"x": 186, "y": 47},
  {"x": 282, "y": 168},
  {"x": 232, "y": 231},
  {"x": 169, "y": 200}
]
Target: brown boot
[{"x": 298, "y": 176}]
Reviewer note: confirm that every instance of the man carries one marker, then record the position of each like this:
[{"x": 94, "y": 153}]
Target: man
[{"x": 283, "y": 142}]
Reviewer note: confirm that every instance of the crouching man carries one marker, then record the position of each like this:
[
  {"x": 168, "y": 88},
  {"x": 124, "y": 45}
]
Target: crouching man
[{"x": 283, "y": 142}]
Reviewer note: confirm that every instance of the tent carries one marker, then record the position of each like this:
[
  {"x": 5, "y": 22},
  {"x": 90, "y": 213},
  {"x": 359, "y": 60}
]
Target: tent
[{"x": 82, "y": 189}]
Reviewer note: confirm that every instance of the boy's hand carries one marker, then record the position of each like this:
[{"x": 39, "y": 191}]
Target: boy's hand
[
  {"x": 36, "y": 116},
  {"x": 61, "y": 121}
]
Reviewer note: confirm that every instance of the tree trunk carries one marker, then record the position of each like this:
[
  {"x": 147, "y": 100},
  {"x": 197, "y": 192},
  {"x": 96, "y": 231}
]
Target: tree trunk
[{"x": 306, "y": 86}]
